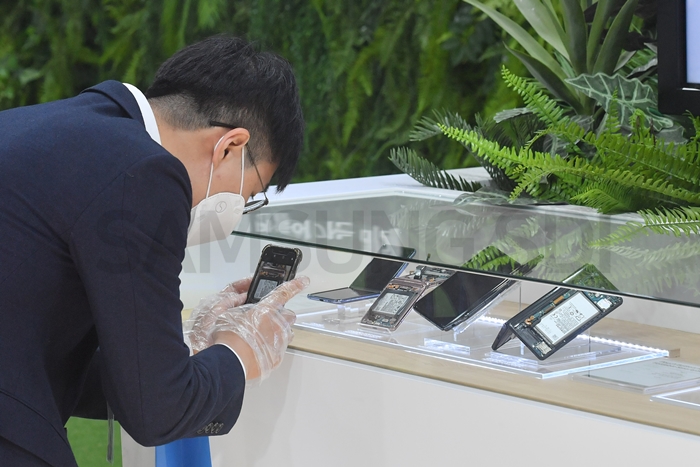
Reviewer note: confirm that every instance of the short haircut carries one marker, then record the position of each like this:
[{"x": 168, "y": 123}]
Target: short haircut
[{"x": 225, "y": 79}]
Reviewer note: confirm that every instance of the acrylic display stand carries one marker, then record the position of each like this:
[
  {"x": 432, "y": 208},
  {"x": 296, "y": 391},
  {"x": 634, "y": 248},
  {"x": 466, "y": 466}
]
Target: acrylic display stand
[
  {"x": 688, "y": 398},
  {"x": 470, "y": 345},
  {"x": 649, "y": 377}
]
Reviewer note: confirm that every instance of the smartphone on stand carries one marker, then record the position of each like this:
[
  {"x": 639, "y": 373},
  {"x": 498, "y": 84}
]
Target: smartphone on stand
[
  {"x": 277, "y": 264},
  {"x": 371, "y": 281},
  {"x": 561, "y": 315},
  {"x": 463, "y": 297},
  {"x": 466, "y": 296},
  {"x": 394, "y": 303}
]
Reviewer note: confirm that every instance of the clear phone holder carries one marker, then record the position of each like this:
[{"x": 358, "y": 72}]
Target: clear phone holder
[
  {"x": 349, "y": 312},
  {"x": 470, "y": 345},
  {"x": 688, "y": 398},
  {"x": 650, "y": 377}
]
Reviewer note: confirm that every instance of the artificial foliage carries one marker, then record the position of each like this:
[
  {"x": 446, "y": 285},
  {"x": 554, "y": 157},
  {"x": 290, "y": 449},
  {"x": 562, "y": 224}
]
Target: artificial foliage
[
  {"x": 590, "y": 133},
  {"x": 646, "y": 171},
  {"x": 570, "y": 38},
  {"x": 367, "y": 69},
  {"x": 428, "y": 173},
  {"x": 614, "y": 168}
]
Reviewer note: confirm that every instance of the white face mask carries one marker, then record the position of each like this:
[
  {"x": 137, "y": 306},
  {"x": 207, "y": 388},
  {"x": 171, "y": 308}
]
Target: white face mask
[{"x": 215, "y": 217}]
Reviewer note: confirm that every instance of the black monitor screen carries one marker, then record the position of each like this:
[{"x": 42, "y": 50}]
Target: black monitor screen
[{"x": 679, "y": 56}]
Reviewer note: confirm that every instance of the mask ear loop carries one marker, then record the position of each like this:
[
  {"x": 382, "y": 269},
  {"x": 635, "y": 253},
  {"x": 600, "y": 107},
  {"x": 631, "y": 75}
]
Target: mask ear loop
[
  {"x": 242, "y": 168},
  {"x": 211, "y": 171},
  {"x": 211, "y": 175}
]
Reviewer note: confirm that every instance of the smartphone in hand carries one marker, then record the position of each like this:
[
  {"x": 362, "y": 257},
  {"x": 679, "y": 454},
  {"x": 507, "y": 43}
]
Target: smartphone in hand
[{"x": 277, "y": 264}]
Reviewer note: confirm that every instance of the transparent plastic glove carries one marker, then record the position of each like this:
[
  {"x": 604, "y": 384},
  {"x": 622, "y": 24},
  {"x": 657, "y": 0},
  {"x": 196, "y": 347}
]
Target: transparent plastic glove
[
  {"x": 260, "y": 332},
  {"x": 199, "y": 326}
]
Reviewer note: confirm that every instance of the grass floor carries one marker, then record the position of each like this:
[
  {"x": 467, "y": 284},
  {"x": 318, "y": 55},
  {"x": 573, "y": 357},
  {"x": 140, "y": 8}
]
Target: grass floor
[{"x": 88, "y": 438}]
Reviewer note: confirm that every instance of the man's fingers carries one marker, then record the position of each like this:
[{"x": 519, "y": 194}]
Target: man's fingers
[
  {"x": 288, "y": 315},
  {"x": 236, "y": 300},
  {"x": 284, "y": 292},
  {"x": 240, "y": 286}
]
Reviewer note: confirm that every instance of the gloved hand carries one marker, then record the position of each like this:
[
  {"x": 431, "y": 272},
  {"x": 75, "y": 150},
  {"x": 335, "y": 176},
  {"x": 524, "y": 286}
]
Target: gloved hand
[
  {"x": 260, "y": 332},
  {"x": 199, "y": 326}
]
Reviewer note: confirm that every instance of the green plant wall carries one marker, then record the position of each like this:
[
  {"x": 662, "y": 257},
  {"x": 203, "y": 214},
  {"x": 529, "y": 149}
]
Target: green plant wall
[{"x": 367, "y": 69}]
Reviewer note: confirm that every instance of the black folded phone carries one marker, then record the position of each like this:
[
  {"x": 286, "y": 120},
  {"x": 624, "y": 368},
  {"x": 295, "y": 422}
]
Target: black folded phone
[
  {"x": 372, "y": 280},
  {"x": 562, "y": 314},
  {"x": 466, "y": 296}
]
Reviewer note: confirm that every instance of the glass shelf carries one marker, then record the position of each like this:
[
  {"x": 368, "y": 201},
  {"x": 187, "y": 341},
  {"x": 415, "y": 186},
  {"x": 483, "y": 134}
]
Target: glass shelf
[
  {"x": 449, "y": 229},
  {"x": 471, "y": 345}
]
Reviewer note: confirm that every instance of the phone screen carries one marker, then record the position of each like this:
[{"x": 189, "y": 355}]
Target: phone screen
[
  {"x": 271, "y": 275},
  {"x": 458, "y": 295},
  {"x": 376, "y": 275},
  {"x": 277, "y": 265},
  {"x": 372, "y": 280},
  {"x": 379, "y": 272}
]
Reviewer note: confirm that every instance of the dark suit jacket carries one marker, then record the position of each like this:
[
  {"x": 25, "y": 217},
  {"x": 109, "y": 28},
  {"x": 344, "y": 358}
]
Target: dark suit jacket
[{"x": 93, "y": 227}]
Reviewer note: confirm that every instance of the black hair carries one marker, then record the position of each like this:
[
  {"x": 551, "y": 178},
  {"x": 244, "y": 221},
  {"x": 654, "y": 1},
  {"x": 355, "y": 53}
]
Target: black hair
[{"x": 225, "y": 79}]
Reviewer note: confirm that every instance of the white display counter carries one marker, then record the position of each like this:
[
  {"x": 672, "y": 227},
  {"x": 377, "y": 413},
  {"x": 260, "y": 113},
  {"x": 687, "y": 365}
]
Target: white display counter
[{"x": 340, "y": 401}]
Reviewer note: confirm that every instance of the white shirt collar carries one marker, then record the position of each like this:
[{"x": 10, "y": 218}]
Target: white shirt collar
[{"x": 149, "y": 119}]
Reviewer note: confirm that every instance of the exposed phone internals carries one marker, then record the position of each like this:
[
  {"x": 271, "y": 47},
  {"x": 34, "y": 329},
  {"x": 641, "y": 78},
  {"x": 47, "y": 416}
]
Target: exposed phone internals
[
  {"x": 394, "y": 303},
  {"x": 562, "y": 314},
  {"x": 432, "y": 276},
  {"x": 277, "y": 264},
  {"x": 371, "y": 281}
]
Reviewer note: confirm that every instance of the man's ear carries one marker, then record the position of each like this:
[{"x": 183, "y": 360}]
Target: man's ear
[{"x": 232, "y": 141}]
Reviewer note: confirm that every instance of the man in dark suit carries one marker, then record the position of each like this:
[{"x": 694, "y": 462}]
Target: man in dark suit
[{"x": 96, "y": 194}]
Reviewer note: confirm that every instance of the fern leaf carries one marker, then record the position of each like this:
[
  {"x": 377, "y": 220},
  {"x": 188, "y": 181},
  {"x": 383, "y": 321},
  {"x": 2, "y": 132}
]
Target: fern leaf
[
  {"x": 605, "y": 197},
  {"x": 537, "y": 101},
  {"x": 512, "y": 243},
  {"x": 568, "y": 131},
  {"x": 428, "y": 127},
  {"x": 611, "y": 121},
  {"x": 678, "y": 251},
  {"x": 489, "y": 259},
  {"x": 656, "y": 190},
  {"x": 677, "y": 221},
  {"x": 504, "y": 115},
  {"x": 428, "y": 173},
  {"x": 516, "y": 131},
  {"x": 528, "y": 182},
  {"x": 641, "y": 132},
  {"x": 696, "y": 126},
  {"x": 676, "y": 164}
]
